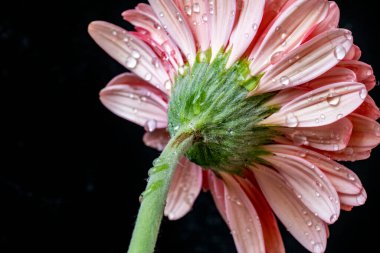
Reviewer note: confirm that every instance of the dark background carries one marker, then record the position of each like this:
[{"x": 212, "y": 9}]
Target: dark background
[{"x": 71, "y": 172}]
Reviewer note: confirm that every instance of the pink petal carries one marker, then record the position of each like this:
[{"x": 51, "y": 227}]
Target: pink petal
[
  {"x": 320, "y": 107},
  {"x": 133, "y": 99},
  {"x": 354, "y": 53},
  {"x": 197, "y": 15},
  {"x": 369, "y": 109},
  {"x": 363, "y": 71},
  {"x": 144, "y": 19},
  {"x": 309, "y": 185},
  {"x": 331, "y": 137},
  {"x": 272, "y": 236},
  {"x": 353, "y": 200},
  {"x": 246, "y": 28},
  {"x": 286, "y": 32},
  {"x": 307, "y": 62},
  {"x": 242, "y": 218},
  {"x": 366, "y": 132},
  {"x": 271, "y": 10},
  {"x": 176, "y": 25},
  {"x": 334, "y": 75},
  {"x": 343, "y": 179},
  {"x": 130, "y": 51},
  {"x": 156, "y": 139},
  {"x": 330, "y": 22},
  {"x": 184, "y": 189},
  {"x": 222, "y": 19},
  {"x": 216, "y": 187},
  {"x": 308, "y": 229},
  {"x": 350, "y": 154}
]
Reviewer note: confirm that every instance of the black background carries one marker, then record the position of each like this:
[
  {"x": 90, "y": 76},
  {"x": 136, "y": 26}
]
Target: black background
[{"x": 71, "y": 172}]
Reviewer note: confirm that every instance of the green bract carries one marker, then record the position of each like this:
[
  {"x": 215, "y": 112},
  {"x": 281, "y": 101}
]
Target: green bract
[{"x": 212, "y": 101}]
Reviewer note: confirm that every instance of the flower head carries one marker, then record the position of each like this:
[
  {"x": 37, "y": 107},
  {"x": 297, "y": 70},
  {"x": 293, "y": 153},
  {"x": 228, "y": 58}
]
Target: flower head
[{"x": 273, "y": 94}]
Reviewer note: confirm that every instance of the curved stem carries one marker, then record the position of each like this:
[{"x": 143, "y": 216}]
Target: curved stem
[{"x": 148, "y": 221}]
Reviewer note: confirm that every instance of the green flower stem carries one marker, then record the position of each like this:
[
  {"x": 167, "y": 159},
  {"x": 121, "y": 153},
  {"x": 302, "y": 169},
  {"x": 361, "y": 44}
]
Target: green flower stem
[{"x": 148, "y": 222}]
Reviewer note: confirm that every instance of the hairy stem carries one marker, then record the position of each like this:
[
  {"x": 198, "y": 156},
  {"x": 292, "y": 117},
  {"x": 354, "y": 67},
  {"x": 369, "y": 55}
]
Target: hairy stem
[{"x": 148, "y": 221}]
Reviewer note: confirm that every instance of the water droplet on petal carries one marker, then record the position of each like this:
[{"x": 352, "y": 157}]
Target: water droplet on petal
[
  {"x": 255, "y": 27},
  {"x": 179, "y": 17},
  {"x": 333, "y": 101},
  {"x": 317, "y": 194},
  {"x": 335, "y": 147},
  {"x": 196, "y": 8},
  {"x": 333, "y": 218},
  {"x": 148, "y": 76},
  {"x": 317, "y": 227},
  {"x": 363, "y": 93},
  {"x": 361, "y": 199},
  {"x": 318, "y": 248},
  {"x": 188, "y": 10},
  {"x": 161, "y": 14},
  {"x": 337, "y": 168},
  {"x": 339, "y": 116},
  {"x": 205, "y": 18},
  {"x": 131, "y": 62},
  {"x": 309, "y": 223},
  {"x": 291, "y": 120},
  {"x": 285, "y": 81},
  {"x": 114, "y": 33},
  {"x": 276, "y": 57},
  {"x": 168, "y": 85},
  {"x": 135, "y": 54},
  {"x": 150, "y": 125},
  {"x": 155, "y": 62},
  {"x": 339, "y": 52},
  {"x": 350, "y": 177}
]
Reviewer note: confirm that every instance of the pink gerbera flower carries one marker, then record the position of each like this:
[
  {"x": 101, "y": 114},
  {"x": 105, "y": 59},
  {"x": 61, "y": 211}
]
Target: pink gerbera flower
[{"x": 270, "y": 94}]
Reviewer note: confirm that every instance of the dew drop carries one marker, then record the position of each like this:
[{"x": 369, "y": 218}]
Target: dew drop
[
  {"x": 309, "y": 223},
  {"x": 196, "y": 8},
  {"x": 179, "y": 17},
  {"x": 361, "y": 199},
  {"x": 148, "y": 76},
  {"x": 363, "y": 93},
  {"x": 339, "y": 116},
  {"x": 318, "y": 228},
  {"x": 188, "y": 10},
  {"x": 136, "y": 54},
  {"x": 333, "y": 101},
  {"x": 291, "y": 120},
  {"x": 299, "y": 196},
  {"x": 168, "y": 85},
  {"x": 317, "y": 194},
  {"x": 333, "y": 218},
  {"x": 336, "y": 168},
  {"x": 161, "y": 14},
  {"x": 350, "y": 177},
  {"x": 134, "y": 110},
  {"x": 157, "y": 26},
  {"x": 114, "y": 33},
  {"x": 150, "y": 125},
  {"x": 176, "y": 128},
  {"x": 339, "y": 52},
  {"x": 131, "y": 62},
  {"x": 255, "y": 27},
  {"x": 318, "y": 184},
  {"x": 318, "y": 248},
  {"x": 205, "y": 18},
  {"x": 323, "y": 116},
  {"x": 155, "y": 62},
  {"x": 283, "y": 35},
  {"x": 285, "y": 81},
  {"x": 336, "y": 148},
  {"x": 276, "y": 57}
]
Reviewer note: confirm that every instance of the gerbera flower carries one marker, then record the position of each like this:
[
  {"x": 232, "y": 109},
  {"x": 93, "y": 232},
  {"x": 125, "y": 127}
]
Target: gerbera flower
[{"x": 259, "y": 99}]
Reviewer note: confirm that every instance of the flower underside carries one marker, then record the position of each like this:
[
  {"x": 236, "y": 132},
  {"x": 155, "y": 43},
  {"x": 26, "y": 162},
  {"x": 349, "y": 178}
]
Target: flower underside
[{"x": 213, "y": 102}]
